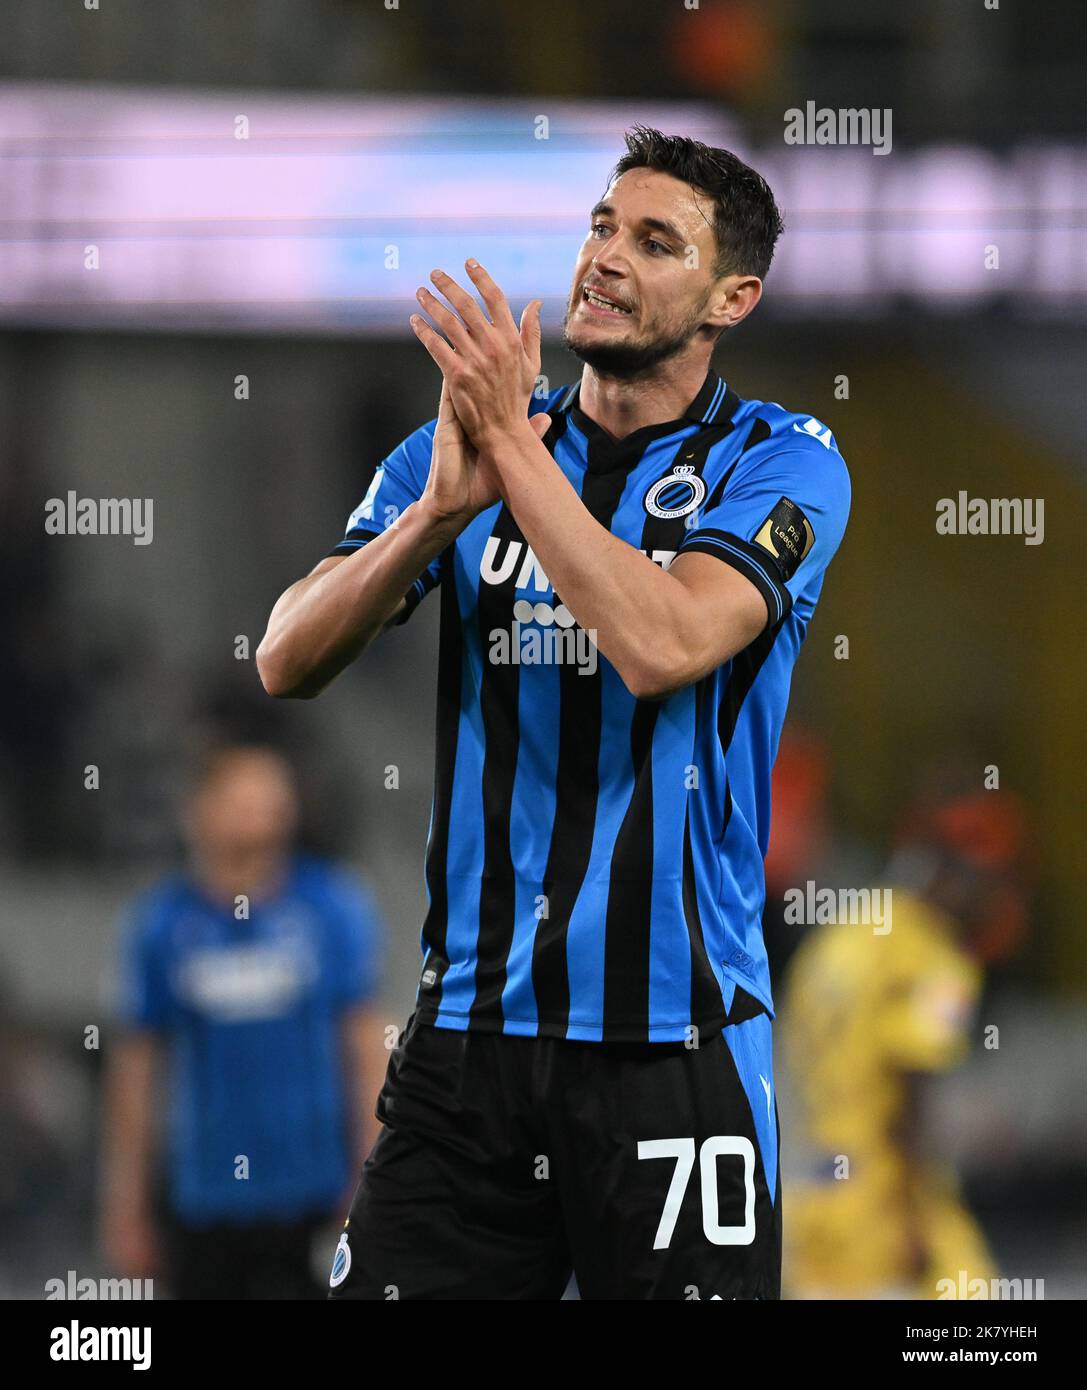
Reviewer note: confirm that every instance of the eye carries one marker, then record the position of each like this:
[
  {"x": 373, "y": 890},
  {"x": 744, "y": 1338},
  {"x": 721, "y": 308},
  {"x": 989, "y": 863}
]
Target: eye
[
  {"x": 598, "y": 227},
  {"x": 659, "y": 245}
]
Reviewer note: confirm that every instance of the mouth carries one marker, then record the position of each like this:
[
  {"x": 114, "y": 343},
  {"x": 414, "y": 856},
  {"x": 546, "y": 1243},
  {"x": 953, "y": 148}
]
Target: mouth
[{"x": 600, "y": 303}]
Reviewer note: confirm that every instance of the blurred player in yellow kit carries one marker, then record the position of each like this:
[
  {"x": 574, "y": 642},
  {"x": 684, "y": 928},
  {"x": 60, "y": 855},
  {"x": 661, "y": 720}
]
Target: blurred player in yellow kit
[{"x": 867, "y": 1013}]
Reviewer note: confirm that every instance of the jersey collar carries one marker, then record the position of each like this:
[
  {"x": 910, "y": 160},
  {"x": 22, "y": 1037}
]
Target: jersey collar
[{"x": 606, "y": 454}]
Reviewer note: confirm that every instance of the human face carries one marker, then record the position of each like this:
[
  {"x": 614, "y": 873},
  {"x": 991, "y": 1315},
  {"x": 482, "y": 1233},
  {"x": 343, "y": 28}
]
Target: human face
[
  {"x": 246, "y": 811},
  {"x": 649, "y": 255}
]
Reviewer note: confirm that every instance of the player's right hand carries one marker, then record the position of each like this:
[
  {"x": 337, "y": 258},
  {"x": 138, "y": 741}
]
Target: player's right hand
[
  {"x": 461, "y": 485},
  {"x": 458, "y": 486}
]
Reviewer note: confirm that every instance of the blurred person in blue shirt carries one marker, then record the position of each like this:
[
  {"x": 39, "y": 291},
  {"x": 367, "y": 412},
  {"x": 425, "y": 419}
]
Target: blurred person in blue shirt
[{"x": 247, "y": 1007}]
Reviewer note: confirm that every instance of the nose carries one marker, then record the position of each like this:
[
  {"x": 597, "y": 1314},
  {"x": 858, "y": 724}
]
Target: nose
[{"x": 611, "y": 259}]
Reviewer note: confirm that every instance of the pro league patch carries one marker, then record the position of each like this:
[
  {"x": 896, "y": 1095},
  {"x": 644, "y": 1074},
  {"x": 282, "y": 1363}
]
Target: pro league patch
[{"x": 787, "y": 534}]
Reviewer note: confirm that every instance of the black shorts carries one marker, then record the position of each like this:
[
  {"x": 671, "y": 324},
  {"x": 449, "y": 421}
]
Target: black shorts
[{"x": 506, "y": 1163}]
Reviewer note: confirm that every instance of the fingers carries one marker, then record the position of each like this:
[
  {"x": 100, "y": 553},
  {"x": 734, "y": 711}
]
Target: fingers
[
  {"x": 444, "y": 317},
  {"x": 464, "y": 303},
  {"x": 491, "y": 295},
  {"x": 529, "y": 330},
  {"x": 446, "y": 413},
  {"x": 448, "y": 419},
  {"x": 541, "y": 423},
  {"x": 434, "y": 343}
]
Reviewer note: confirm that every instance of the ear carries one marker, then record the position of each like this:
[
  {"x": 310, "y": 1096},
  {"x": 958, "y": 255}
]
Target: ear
[{"x": 734, "y": 297}]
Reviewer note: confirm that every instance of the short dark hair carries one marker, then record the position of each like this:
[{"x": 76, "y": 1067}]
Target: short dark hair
[{"x": 747, "y": 222}]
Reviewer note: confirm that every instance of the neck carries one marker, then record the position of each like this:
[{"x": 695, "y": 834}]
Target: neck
[
  {"x": 223, "y": 877},
  {"x": 620, "y": 406}
]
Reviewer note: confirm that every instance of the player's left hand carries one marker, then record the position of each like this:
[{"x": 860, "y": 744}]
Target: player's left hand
[{"x": 490, "y": 364}]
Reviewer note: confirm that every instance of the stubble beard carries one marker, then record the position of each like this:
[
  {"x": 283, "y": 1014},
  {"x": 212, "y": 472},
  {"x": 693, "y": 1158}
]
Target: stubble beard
[{"x": 627, "y": 361}]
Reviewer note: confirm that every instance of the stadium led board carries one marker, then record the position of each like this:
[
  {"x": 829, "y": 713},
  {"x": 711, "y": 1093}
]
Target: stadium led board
[{"x": 213, "y": 211}]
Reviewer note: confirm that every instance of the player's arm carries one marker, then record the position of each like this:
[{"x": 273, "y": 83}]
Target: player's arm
[
  {"x": 127, "y": 1170},
  {"x": 324, "y": 621},
  {"x": 775, "y": 529},
  {"x": 660, "y": 629},
  {"x": 355, "y": 952},
  {"x": 362, "y": 1033}
]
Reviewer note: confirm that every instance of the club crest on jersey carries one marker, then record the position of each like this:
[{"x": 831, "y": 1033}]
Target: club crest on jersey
[
  {"x": 676, "y": 494},
  {"x": 341, "y": 1263}
]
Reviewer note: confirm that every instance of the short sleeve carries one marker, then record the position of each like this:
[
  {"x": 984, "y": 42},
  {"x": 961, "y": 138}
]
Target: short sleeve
[
  {"x": 398, "y": 481},
  {"x": 145, "y": 998},
  {"x": 780, "y": 518},
  {"x": 356, "y": 942}
]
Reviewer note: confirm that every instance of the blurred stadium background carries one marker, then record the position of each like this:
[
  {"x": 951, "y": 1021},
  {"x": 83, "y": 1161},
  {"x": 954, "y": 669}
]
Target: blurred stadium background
[{"x": 269, "y": 257}]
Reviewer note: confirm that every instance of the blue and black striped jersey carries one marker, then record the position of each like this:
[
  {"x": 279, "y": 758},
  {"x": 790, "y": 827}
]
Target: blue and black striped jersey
[{"x": 594, "y": 863}]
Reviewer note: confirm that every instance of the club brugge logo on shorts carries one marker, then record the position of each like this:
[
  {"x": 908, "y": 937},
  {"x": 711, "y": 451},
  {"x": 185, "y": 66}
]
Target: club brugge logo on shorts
[
  {"x": 341, "y": 1263},
  {"x": 676, "y": 494}
]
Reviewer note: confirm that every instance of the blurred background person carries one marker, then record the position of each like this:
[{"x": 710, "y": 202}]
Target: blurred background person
[
  {"x": 807, "y": 840},
  {"x": 249, "y": 1029},
  {"x": 33, "y": 1187},
  {"x": 874, "y": 1009}
]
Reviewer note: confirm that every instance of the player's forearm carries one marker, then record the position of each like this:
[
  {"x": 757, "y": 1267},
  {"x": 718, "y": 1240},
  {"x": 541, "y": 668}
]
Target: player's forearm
[
  {"x": 365, "y": 1060},
  {"x": 641, "y": 618},
  {"x": 125, "y": 1178},
  {"x": 322, "y": 623}
]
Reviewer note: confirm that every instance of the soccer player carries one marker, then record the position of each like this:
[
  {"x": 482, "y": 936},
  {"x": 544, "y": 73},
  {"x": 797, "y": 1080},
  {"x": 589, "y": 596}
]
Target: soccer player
[
  {"x": 627, "y": 568},
  {"x": 875, "y": 1211},
  {"x": 251, "y": 976}
]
